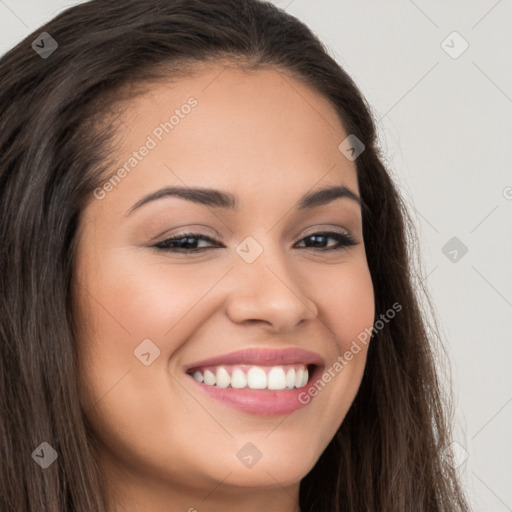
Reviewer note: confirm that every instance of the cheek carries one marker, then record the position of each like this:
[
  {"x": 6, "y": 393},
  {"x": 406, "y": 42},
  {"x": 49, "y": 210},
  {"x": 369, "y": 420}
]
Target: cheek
[
  {"x": 348, "y": 311},
  {"x": 120, "y": 304},
  {"x": 139, "y": 299},
  {"x": 348, "y": 302},
  {"x": 126, "y": 300}
]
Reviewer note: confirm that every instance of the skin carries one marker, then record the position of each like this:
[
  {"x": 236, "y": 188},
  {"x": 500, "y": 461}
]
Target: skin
[{"x": 162, "y": 443}]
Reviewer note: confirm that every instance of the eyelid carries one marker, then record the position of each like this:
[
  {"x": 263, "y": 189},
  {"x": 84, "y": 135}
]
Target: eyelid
[
  {"x": 344, "y": 240},
  {"x": 189, "y": 231},
  {"x": 194, "y": 229},
  {"x": 322, "y": 228}
]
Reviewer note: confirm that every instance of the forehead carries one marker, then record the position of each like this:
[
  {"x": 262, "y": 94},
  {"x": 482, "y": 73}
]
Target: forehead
[{"x": 258, "y": 133}]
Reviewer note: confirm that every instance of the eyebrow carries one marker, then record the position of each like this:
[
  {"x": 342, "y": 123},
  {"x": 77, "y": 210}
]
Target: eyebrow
[{"x": 219, "y": 199}]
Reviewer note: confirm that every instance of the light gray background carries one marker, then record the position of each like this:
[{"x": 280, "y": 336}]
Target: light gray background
[{"x": 446, "y": 128}]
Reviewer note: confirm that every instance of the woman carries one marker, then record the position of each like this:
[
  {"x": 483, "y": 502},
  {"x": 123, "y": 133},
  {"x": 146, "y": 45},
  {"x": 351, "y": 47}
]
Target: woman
[{"x": 206, "y": 291}]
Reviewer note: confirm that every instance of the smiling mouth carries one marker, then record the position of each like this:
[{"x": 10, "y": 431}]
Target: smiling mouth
[{"x": 285, "y": 377}]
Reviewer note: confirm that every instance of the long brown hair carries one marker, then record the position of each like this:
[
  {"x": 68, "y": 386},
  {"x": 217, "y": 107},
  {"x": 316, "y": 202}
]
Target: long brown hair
[{"x": 391, "y": 452}]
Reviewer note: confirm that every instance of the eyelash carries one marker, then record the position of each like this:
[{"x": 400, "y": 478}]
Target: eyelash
[{"x": 344, "y": 240}]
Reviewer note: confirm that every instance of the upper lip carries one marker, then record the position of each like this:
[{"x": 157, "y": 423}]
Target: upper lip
[{"x": 262, "y": 357}]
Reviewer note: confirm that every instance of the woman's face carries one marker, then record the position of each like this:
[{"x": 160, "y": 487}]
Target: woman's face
[{"x": 261, "y": 302}]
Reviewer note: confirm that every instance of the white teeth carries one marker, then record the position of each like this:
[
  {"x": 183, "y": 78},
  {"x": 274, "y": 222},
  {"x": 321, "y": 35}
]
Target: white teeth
[
  {"x": 209, "y": 378},
  {"x": 298, "y": 377},
  {"x": 257, "y": 378},
  {"x": 222, "y": 377},
  {"x": 305, "y": 378},
  {"x": 276, "y": 378},
  {"x": 238, "y": 379},
  {"x": 290, "y": 378}
]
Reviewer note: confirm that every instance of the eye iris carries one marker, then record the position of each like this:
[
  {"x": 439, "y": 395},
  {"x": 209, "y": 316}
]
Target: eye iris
[
  {"x": 317, "y": 238},
  {"x": 183, "y": 242},
  {"x": 188, "y": 241}
]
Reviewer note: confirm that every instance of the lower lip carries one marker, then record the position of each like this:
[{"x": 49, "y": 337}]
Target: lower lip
[{"x": 262, "y": 402}]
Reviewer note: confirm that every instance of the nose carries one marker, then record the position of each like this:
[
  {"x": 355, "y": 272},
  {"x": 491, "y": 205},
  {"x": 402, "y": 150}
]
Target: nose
[{"x": 268, "y": 291}]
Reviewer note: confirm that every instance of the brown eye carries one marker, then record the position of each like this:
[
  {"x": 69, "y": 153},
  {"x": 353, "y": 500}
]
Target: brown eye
[
  {"x": 318, "y": 239},
  {"x": 186, "y": 242}
]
